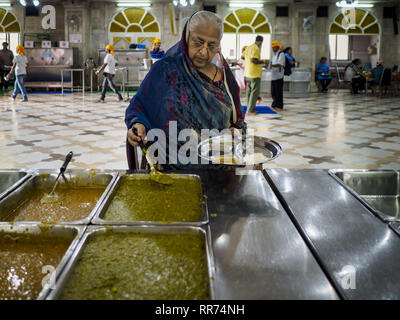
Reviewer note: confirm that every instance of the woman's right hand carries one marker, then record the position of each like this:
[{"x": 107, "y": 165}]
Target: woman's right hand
[{"x": 134, "y": 139}]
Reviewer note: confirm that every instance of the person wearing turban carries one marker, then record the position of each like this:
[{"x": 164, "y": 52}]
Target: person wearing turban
[
  {"x": 156, "y": 52},
  {"x": 109, "y": 73},
  {"x": 277, "y": 74},
  {"x": 20, "y": 63}
]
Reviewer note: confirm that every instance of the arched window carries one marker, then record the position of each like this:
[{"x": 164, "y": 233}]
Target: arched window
[
  {"x": 349, "y": 22},
  {"x": 9, "y": 29},
  {"x": 240, "y": 29},
  {"x": 130, "y": 24}
]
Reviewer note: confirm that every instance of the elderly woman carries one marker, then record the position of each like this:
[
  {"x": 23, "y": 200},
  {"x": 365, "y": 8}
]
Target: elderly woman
[{"x": 187, "y": 88}]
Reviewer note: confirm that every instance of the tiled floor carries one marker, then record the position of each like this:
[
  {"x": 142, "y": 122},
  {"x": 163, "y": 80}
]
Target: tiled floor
[{"x": 323, "y": 131}]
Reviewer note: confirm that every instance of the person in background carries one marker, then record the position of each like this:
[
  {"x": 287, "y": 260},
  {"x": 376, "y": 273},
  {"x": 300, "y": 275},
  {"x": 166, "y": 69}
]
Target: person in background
[
  {"x": 353, "y": 73},
  {"x": 288, "y": 54},
  {"x": 253, "y": 73},
  {"x": 277, "y": 74},
  {"x": 239, "y": 73},
  {"x": 6, "y": 60},
  {"x": 20, "y": 63},
  {"x": 376, "y": 73},
  {"x": 156, "y": 52},
  {"x": 109, "y": 73},
  {"x": 323, "y": 74}
]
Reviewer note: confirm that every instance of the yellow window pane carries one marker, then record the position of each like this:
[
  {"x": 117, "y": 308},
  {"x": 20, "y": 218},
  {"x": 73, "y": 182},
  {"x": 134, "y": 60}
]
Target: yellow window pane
[
  {"x": 121, "y": 19},
  {"x": 245, "y": 29},
  {"x": 339, "y": 19},
  {"x": 335, "y": 29},
  {"x": 8, "y": 19},
  {"x": 134, "y": 15},
  {"x": 116, "y": 28},
  {"x": 229, "y": 29},
  {"x": 152, "y": 28},
  {"x": 147, "y": 19},
  {"x": 374, "y": 29},
  {"x": 232, "y": 20},
  {"x": 359, "y": 15},
  {"x": 258, "y": 20},
  {"x": 245, "y": 15},
  {"x": 2, "y": 13},
  {"x": 368, "y": 20},
  {"x": 13, "y": 27},
  {"x": 134, "y": 28},
  {"x": 355, "y": 30},
  {"x": 263, "y": 29}
]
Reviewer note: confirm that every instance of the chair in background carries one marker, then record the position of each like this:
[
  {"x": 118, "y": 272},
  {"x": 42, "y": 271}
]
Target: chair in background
[
  {"x": 341, "y": 83},
  {"x": 385, "y": 82}
]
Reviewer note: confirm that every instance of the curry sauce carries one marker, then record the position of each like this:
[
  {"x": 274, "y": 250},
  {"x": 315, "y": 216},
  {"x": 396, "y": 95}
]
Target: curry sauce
[
  {"x": 145, "y": 200},
  {"x": 73, "y": 204},
  {"x": 140, "y": 266},
  {"x": 21, "y": 260}
]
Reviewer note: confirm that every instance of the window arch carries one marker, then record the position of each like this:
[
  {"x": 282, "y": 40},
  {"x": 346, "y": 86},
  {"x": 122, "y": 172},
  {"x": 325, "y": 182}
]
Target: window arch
[
  {"x": 240, "y": 28},
  {"x": 354, "y": 21},
  {"x": 8, "y": 22}
]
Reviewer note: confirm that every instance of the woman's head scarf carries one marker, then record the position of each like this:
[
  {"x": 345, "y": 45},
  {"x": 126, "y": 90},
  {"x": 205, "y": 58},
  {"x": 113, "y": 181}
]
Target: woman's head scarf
[{"x": 21, "y": 50}]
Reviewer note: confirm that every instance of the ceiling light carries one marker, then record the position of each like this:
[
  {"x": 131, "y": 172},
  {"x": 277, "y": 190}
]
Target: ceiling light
[
  {"x": 353, "y": 4},
  {"x": 191, "y": 2},
  {"x": 5, "y": 4},
  {"x": 246, "y": 5},
  {"x": 134, "y": 4},
  {"x": 36, "y": 3},
  {"x": 175, "y": 2},
  {"x": 22, "y": 2},
  {"x": 183, "y": 3}
]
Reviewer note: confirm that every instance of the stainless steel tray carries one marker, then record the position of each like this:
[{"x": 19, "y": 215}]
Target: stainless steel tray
[
  {"x": 91, "y": 231},
  {"x": 269, "y": 148},
  {"x": 75, "y": 232},
  {"x": 395, "y": 226},
  {"x": 378, "y": 190},
  {"x": 98, "y": 218},
  {"x": 11, "y": 179},
  {"x": 46, "y": 179}
]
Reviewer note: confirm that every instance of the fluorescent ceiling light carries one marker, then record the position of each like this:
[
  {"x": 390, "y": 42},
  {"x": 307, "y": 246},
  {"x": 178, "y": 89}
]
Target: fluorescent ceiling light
[
  {"x": 22, "y": 2},
  {"x": 355, "y": 4},
  {"x": 246, "y": 5},
  {"x": 134, "y": 4},
  {"x": 4, "y": 4}
]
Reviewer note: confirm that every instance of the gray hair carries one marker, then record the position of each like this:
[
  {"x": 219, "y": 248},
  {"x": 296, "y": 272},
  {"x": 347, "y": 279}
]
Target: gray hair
[{"x": 205, "y": 17}]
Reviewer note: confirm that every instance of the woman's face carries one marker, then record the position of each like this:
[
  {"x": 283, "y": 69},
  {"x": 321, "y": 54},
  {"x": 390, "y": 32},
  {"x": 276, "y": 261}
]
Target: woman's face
[{"x": 204, "y": 43}]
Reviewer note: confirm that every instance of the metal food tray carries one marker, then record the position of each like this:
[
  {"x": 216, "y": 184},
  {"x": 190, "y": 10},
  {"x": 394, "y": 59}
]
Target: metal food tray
[
  {"x": 91, "y": 231},
  {"x": 11, "y": 179},
  {"x": 75, "y": 232},
  {"x": 379, "y": 187},
  {"x": 98, "y": 218},
  {"x": 46, "y": 179},
  {"x": 269, "y": 148}
]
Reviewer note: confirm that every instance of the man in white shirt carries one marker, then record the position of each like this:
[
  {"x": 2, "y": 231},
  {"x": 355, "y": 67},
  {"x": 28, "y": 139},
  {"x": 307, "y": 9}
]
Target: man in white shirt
[
  {"x": 109, "y": 73},
  {"x": 277, "y": 74}
]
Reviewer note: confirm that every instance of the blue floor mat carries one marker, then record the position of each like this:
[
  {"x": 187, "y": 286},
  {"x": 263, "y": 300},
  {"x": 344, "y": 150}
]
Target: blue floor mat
[{"x": 262, "y": 110}]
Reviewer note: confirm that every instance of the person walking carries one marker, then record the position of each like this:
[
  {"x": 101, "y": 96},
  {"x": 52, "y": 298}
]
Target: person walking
[
  {"x": 253, "y": 73},
  {"x": 109, "y": 73},
  {"x": 20, "y": 63},
  {"x": 277, "y": 74},
  {"x": 6, "y": 61}
]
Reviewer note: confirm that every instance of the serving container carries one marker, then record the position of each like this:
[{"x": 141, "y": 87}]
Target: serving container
[
  {"x": 75, "y": 233},
  {"x": 378, "y": 190},
  {"x": 92, "y": 231},
  {"x": 45, "y": 179},
  {"x": 99, "y": 216},
  {"x": 11, "y": 179}
]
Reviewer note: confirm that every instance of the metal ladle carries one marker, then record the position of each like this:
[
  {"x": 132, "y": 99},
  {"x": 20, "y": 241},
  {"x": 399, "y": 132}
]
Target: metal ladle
[
  {"x": 155, "y": 175},
  {"x": 53, "y": 197}
]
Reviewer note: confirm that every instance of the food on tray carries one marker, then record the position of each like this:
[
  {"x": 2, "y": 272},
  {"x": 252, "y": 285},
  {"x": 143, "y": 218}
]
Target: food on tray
[
  {"x": 73, "y": 204},
  {"x": 141, "y": 266},
  {"x": 140, "y": 199},
  {"x": 22, "y": 258}
]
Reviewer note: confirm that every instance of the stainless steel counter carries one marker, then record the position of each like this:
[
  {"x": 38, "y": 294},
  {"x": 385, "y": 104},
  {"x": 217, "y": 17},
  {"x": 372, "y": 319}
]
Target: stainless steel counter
[
  {"x": 359, "y": 252},
  {"x": 258, "y": 252}
]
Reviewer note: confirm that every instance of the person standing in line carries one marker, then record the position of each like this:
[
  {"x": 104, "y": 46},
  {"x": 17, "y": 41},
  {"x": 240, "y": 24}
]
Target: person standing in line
[
  {"x": 277, "y": 74},
  {"x": 109, "y": 73},
  {"x": 6, "y": 60},
  {"x": 253, "y": 73},
  {"x": 20, "y": 63}
]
